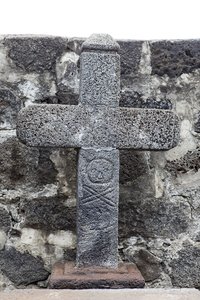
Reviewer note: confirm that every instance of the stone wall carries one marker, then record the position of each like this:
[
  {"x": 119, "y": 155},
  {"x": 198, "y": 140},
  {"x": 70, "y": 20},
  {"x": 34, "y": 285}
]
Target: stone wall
[{"x": 159, "y": 221}]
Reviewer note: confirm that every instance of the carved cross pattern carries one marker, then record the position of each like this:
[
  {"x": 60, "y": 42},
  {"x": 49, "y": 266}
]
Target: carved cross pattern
[{"x": 98, "y": 127}]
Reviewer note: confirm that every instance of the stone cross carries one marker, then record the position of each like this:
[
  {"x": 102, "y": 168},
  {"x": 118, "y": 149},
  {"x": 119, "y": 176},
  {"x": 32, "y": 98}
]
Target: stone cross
[{"x": 98, "y": 127}]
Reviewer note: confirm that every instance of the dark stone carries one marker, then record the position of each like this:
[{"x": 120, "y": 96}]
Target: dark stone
[
  {"x": 5, "y": 220},
  {"x": 48, "y": 214},
  {"x": 22, "y": 268},
  {"x": 35, "y": 54},
  {"x": 66, "y": 97},
  {"x": 69, "y": 255},
  {"x": 141, "y": 214},
  {"x": 130, "y": 55},
  {"x": 97, "y": 207},
  {"x": 17, "y": 163},
  {"x": 68, "y": 276},
  {"x": 46, "y": 170},
  {"x": 174, "y": 58},
  {"x": 148, "y": 264},
  {"x": 133, "y": 164},
  {"x": 20, "y": 164},
  {"x": 10, "y": 105},
  {"x": 185, "y": 270},
  {"x": 130, "y": 98},
  {"x": 197, "y": 124},
  {"x": 189, "y": 162}
]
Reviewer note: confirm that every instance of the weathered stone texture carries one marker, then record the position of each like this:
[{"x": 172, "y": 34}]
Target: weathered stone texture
[
  {"x": 35, "y": 54},
  {"x": 48, "y": 214},
  {"x": 97, "y": 207},
  {"x": 10, "y": 105},
  {"x": 174, "y": 58},
  {"x": 5, "y": 220},
  {"x": 188, "y": 259},
  {"x": 21, "y": 165},
  {"x": 159, "y": 192},
  {"x": 86, "y": 126},
  {"x": 22, "y": 268}
]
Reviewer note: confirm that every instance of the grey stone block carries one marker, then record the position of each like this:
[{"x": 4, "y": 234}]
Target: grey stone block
[
  {"x": 148, "y": 264},
  {"x": 84, "y": 126},
  {"x": 22, "y": 165},
  {"x": 103, "y": 42},
  {"x": 140, "y": 213},
  {"x": 100, "y": 78},
  {"x": 5, "y": 220},
  {"x": 97, "y": 207}
]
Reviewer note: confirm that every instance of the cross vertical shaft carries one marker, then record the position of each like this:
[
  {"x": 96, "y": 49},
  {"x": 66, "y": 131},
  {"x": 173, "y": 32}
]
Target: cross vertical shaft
[{"x": 98, "y": 168}]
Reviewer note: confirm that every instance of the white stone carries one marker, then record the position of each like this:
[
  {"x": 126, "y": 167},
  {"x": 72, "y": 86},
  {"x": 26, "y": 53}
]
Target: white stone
[
  {"x": 108, "y": 294},
  {"x": 61, "y": 238}
]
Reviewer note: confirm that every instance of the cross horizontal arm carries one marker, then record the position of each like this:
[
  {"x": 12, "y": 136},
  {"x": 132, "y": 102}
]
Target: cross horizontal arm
[{"x": 79, "y": 126}]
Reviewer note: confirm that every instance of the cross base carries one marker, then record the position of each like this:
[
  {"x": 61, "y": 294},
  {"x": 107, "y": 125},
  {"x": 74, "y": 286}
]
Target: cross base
[{"x": 68, "y": 276}]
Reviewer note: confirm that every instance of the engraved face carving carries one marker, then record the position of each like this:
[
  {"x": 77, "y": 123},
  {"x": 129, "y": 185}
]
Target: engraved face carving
[{"x": 100, "y": 171}]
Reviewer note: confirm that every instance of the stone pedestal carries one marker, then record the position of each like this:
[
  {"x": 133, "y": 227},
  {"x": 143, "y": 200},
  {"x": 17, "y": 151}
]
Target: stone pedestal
[{"x": 68, "y": 276}]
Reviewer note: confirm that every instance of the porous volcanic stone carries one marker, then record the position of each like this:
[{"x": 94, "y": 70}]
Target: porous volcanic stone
[
  {"x": 97, "y": 207},
  {"x": 48, "y": 214},
  {"x": 5, "y": 220},
  {"x": 174, "y": 58},
  {"x": 22, "y": 268},
  {"x": 185, "y": 268},
  {"x": 100, "y": 126},
  {"x": 130, "y": 55},
  {"x": 35, "y": 54}
]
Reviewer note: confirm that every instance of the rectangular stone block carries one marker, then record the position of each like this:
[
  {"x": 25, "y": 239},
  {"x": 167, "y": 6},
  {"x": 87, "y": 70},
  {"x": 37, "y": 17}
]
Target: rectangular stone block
[
  {"x": 67, "y": 276},
  {"x": 79, "y": 126},
  {"x": 97, "y": 207},
  {"x": 100, "y": 78}
]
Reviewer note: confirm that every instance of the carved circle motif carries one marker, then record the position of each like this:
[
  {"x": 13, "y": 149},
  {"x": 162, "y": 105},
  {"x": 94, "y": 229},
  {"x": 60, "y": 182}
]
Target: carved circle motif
[{"x": 100, "y": 170}]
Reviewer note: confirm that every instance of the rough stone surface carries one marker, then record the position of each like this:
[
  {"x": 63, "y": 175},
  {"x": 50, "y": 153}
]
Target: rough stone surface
[
  {"x": 130, "y": 55},
  {"x": 188, "y": 259},
  {"x": 10, "y": 105},
  {"x": 5, "y": 220},
  {"x": 100, "y": 78},
  {"x": 102, "y": 124},
  {"x": 21, "y": 268},
  {"x": 86, "y": 126},
  {"x": 35, "y": 54},
  {"x": 128, "y": 294},
  {"x": 97, "y": 207},
  {"x": 67, "y": 276},
  {"x": 174, "y": 58},
  {"x": 163, "y": 185},
  {"x": 100, "y": 42},
  {"x": 48, "y": 214}
]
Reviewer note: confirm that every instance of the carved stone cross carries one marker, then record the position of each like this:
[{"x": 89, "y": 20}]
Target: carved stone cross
[{"x": 98, "y": 127}]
